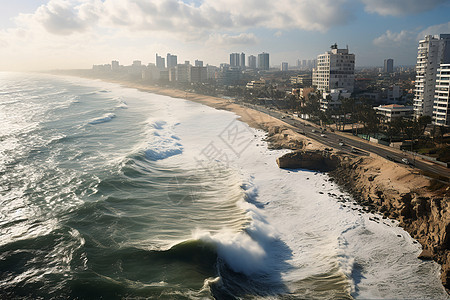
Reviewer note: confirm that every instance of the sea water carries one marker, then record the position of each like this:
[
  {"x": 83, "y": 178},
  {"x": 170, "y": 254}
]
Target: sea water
[{"x": 108, "y": 192}]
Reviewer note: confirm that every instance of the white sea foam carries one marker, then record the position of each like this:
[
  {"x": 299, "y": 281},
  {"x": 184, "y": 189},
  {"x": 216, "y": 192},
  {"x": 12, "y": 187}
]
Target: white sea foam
[
  {"x": 103, "y": 119},
  {"x": 162, "y": 143}
]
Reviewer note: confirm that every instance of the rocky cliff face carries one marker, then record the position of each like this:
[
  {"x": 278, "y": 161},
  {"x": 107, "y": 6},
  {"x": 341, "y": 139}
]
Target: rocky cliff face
[
  {"x": 392, "y": 190},
  {"x": 423, "y": 213}
]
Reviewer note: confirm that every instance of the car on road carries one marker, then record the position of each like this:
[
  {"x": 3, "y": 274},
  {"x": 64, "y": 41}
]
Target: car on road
[
  {"x": 313, "y": 130},
  {"x": 405, "y": 161},
  {"x": 323, "y": 135},
  {"x": 354, "y": 150},
  {"x": 342, "y": 144}
]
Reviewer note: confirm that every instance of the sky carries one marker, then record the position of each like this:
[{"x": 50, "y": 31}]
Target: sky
[{"x": 65, "y": 34}]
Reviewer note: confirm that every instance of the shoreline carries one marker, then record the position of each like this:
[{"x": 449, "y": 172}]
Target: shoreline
[{"x": 378, "y": 185}]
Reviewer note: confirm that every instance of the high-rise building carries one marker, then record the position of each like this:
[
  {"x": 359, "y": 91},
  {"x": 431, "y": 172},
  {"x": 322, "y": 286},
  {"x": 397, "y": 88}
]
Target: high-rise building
[
  {"x": 432, "y": 51},
  {"x": 198, "y": 63},
  {"x": 242, "y": 60},
  {"x": 335, "y": 70},
  {"x": 115, "y": 65},
  {"x": 235, "y": 60},
  {"x": 252, "y": 62},
  {"x": 441, "y": 106},
  {"x": 160, "y": 62},
  {"x": 284, "y": 67},
  {"x": 199, "y": 74},
  {"x": 388, "y": 65},
  {"x": 171, "y": 60},
  {"x": 263, "y": 61}
]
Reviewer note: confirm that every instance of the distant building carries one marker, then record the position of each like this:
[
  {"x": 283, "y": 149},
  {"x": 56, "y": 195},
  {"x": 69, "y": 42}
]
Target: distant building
[
  {"x": 235, "y": 60},
  {"x": 389, "y": 112},
  {"x": 242, "y": 60},
  {"x": 183, "y": 73},
  {"x": 198, "y": 74},
  {"x": 388, "y": 65},
  {"x": 160, "y": 62},
  {"x": 252, "y": 62},
  {"x": 115, "y": 65},
  {"x": 256, "y": 84},
  {"x": 198, "y": 63},
  {"x": 432, "y": 51},
  {"x": 335, "y": 70},
  {"x": 284, "y": 67},
  {"x": 302, "y": 79},
  {"x": 171, "y": 61},
  {"x": 441, "y": 107},
  {"x": 263, "y": 61}
]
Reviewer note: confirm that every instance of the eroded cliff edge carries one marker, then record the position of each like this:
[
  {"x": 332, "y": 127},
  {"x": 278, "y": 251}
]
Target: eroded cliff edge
[{"x": 395, "y": 191}]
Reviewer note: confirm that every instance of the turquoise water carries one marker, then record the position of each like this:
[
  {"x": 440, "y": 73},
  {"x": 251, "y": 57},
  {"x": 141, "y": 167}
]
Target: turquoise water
[{"x": 108, "y": 192}]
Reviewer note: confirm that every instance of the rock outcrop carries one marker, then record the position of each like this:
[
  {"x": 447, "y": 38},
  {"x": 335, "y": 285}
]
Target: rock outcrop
[{"x": 317, "y": 160}]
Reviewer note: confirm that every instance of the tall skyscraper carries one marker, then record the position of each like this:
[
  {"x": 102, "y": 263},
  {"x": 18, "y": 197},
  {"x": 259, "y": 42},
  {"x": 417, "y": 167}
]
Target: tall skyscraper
[
  {"x": 432, "y": 51},
  {"x": 263, "y": 61},
  {"x": 160, "y": 62},
  {"x": 284, "y": 67},
  {"x": 242, "y": 60},
  {"x": 171, "y": 60},
  {"x": 335, "y": 69},
  {"x": 388, "y": 65},
  {"x": 441, "y": 106},
  {"x": 235, "y": 60},
  {"x": 252, "y": 62}
]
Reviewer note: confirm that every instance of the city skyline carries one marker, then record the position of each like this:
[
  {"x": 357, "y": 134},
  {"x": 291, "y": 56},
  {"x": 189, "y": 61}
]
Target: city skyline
[{"x": 40, "y": 35}]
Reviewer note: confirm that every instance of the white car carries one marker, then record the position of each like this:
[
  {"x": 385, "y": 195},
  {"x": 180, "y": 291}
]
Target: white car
[
  {"x": 323, "y": 135},
  {"x": 405, "y": 161}
]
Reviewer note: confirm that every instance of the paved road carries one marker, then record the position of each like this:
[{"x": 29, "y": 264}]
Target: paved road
[{"x": 362, "y": 147}]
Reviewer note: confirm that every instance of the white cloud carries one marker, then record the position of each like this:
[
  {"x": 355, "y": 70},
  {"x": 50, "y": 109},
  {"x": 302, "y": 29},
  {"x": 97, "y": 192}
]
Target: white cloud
[
  {"x": 433, "y": 30},
  {"x": 232, "y": 40},
  {"x": 396, "y": 39},
  {"x": 400, "y": 7}
]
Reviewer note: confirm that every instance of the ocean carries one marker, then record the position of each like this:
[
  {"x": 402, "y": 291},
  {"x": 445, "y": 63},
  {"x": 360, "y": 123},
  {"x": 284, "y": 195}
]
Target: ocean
[{"x": 108, "y": 192}]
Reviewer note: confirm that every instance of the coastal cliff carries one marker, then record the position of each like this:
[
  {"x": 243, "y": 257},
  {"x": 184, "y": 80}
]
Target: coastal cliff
[
  {"x": 406, "y": 197},
  {"x": 397, "y": 192}
]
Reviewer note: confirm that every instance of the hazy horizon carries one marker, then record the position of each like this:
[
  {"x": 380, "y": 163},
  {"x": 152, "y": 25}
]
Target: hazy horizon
[{"x": 68, "y": 34}]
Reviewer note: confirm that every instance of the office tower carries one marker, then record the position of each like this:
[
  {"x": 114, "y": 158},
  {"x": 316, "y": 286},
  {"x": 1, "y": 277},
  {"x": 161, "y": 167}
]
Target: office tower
[
  {"x": 242, "y": 60},
  {"x": 432, "y": 51},
  {"x": 252, "y": 62},
  {"x": 171, "y": 60},
  {"x": 335, "y": 70},
  {"x": 284, "y": 67},
  {"x": 234, "y": 60},
  {"x": 263, "y": 61},
  {"x": 441, "y": 106},
  {"x": 160, "y": 62},
  {"x": 388, "y": 65}
]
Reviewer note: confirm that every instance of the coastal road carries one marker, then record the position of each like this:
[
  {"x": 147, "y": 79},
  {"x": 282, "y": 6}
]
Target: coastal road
[{"x": 360, "y": 147}]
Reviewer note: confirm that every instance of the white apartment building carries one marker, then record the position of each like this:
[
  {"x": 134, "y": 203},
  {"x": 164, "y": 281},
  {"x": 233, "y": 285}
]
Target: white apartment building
[
  {"x": 389, "y": 112},
  {"x": 335, "y": 70},
  {"x": 441, "y": 109},
  {"x": 432, "y": 51},
  {"x": 332, "y": 100}
]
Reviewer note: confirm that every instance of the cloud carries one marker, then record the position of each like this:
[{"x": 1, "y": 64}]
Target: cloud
[
  {"x": 400, "y": 7},
  {"x": 433, "y": 30},
  {"x": 232, "y": 40},
  {"x": 389, "y": 38},
  {"x": 66, "y": 17}
]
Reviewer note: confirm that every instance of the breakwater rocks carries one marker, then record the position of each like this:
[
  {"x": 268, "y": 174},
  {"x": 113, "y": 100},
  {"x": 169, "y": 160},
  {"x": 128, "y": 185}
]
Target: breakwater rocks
[{"x": 316, "y": 160}]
